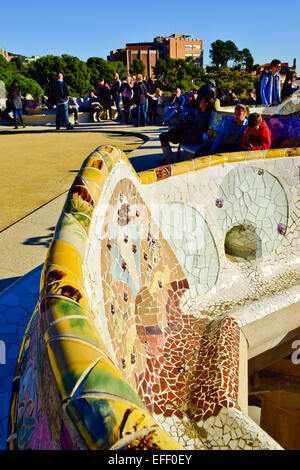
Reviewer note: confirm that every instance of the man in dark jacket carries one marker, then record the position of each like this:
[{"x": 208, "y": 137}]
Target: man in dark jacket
[
  {"x": 61, "y": 98},
  {"x": 187, "y": 132},
  {"x": 207, "y": 90}
]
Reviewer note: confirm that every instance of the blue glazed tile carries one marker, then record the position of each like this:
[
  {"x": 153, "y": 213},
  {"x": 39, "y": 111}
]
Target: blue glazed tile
[
  {"x": 15, "y": 315},
  {"x": 10, "y": 300}
]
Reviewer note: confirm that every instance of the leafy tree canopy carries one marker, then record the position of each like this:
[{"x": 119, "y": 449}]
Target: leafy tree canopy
[
  {"x": 137, "y": 67},
  {"x": 226, "y": 53},
  {"x": 99, "y": 67},
  {"x": 26, "y": 85},
  {"x": 75, "y": 71}
]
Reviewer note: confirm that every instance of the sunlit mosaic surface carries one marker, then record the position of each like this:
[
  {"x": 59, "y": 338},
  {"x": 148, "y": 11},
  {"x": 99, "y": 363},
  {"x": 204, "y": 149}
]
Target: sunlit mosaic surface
[
  {"x": 136, "y": 340},
  {"x": 289, "y": 106}
]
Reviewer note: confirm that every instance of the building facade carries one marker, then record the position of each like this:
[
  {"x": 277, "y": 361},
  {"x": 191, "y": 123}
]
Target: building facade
[{"x": 176, "y": 46}]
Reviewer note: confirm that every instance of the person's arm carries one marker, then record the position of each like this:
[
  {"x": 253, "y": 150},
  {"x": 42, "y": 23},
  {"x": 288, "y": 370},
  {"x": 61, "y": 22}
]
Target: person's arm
[
  {"x": 218, "y": 140},
  {"x": 172, "y": 100},
  {"x": 263, "y": 89},
  {"x": 244, "y": 142}
]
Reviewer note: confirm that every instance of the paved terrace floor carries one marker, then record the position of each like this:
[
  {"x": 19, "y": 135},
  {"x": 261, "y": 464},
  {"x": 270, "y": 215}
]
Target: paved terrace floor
[{"x": 24, "y": 243}]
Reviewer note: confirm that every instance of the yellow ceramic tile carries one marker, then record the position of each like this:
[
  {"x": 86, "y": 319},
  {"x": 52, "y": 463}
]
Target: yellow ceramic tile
[
  {"x": 64, "y": 254},
  {"x": 69, "y": 359},
  {"x": 147, "y": 177},
  {"x": 93, "y": 175},
  {"x": 202, "y": 162},
  {"x": 218, "y": 159},
  {"x": 97, "y": 162},
  {"x": 236, "y": 156},
  {"x": 256, "y": 155}
]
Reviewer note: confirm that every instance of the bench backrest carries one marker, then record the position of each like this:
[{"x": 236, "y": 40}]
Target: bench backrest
[{"x": 285, "y": 130}]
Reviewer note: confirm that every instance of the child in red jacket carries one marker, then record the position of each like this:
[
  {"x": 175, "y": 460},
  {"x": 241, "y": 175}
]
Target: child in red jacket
[{"x": 257, "y": 135}]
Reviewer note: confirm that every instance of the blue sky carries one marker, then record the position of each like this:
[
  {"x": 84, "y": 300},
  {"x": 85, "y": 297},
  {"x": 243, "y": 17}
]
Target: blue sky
[{"x": 85, "y": 28}]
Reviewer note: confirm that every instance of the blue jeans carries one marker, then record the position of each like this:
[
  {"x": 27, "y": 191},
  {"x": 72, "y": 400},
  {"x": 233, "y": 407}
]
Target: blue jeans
[
  {"x": 62, "y": 115},
  {"x": 74, "y": 110},
  {"x": 141, "y": 115},
  {"x": 17, "y": 112},
  {"x": 169, "y": 112},
  {"x": 118, "y": 101}
]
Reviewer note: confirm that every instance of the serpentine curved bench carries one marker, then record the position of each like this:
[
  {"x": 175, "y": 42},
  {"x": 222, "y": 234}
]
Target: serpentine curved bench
[
  {"x": 137, "y": 339},
  {"x": 290, "y": 106}
]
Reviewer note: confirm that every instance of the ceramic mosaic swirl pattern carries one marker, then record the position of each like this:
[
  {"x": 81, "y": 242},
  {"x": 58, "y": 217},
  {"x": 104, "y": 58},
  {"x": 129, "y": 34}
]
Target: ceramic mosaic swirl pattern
[{"x": 137, "y": 339}]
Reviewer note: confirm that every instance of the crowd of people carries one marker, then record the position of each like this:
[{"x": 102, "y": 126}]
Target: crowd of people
[
  {"x": 242, "y": 131},
  {"x": 140, "y": 99}
]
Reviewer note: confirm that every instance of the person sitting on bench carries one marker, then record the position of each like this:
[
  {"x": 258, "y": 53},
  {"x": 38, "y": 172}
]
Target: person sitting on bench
[
  {"x": 187, "y": 132},
  {"x": 230, "y": 136},
  {"x": 175, "y": 107}
]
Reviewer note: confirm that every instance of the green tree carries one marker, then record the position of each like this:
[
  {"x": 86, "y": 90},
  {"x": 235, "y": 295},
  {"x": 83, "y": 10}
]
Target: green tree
[
  {"x": 99, "y": 67},
  {"x": 183, "y": 73},
  {"x": 226, "y": 53},
  {"x": 238, "y": 81},
  {"x": 26, "y": 85},
  {"x": 137, "y": 67},
  {"x": 75, "y": 71}
]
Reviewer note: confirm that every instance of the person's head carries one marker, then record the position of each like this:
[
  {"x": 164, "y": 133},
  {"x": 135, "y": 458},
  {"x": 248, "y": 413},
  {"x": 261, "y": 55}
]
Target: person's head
[
  {"x": 250, "y": 93},
  {"x": 240, "y": 113},
  {"x": 102, "y": 80},
  {"x": 92, "y": 93},
  {"x": 128, "y": 79},
  {"x": 139, "y": 77},
  {"x": 195, "y": 94},
  {"x": 206, "y": 104},
  {"x": 221, "y": 93},
  {"x": 60, "y": 76},
  {"x": 177, "y": 91},
  {"x": 116, "y": 76},
  {"x": 232, "y": 98},
  {"x": 254, "y": 120},
  {"x": 275, "y": 66},
  {"x": 291, "y": 77}
]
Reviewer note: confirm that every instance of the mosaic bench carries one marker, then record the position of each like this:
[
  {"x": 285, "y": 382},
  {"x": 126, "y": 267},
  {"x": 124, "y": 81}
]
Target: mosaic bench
[
  {"x": 288, "y": 107},
  {"x": 137, "y": 339}
]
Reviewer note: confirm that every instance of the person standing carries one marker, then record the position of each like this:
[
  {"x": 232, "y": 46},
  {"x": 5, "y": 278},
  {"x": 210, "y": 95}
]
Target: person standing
[
  {"x": 140, "y": 95},
  {"x": 16, "y": 104},
  {"x": 103, "y": 93},
  {"x": 115, "y": 93},
  {"x": 270, "y": 85},
  {"x": 61, "y": 97},
  {"x": 126, "y": 93}
]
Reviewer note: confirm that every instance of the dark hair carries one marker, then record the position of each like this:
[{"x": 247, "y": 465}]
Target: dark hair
[
  {"x": 243, "y": 107},
  {"x": 254, "y": 119},
  {"x": 275, "y": 62}
]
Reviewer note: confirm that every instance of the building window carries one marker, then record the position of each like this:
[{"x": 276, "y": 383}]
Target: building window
[
  {"x": 188, "y": 46},
  {"x": 197, "y": 46},
  {"x": 188, "y": 55},
  {"x": 197, "y": 56}
]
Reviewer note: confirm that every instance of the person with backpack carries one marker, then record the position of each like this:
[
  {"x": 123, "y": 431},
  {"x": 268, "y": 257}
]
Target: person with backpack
[
  {"x": 270, "y": 85},
  {"x": 140, "y": 95},
  {"x": 103, "y": 93}
]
